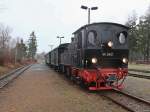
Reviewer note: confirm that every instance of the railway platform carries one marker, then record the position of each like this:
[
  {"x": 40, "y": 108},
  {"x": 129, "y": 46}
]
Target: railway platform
[{"x": 41, "y": 89}]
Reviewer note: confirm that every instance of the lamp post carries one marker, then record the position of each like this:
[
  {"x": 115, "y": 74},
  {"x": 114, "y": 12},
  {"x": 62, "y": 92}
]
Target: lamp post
[
  {"x": 60, "y": 38},
  {"x": 89, "y": 11}
]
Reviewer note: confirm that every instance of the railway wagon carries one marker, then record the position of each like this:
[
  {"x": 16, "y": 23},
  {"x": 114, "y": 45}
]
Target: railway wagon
[
  {"x": 55, "y": 56},
  {"x": 97, "y": 56}
]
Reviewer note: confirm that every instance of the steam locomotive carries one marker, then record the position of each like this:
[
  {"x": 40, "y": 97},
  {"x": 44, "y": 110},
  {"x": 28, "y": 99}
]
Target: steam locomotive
[{"x": 96, "y": 57}]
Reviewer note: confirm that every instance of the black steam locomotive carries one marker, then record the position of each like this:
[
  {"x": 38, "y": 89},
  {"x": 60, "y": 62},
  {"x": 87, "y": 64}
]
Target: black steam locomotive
[{"x": 96, "y": 57}]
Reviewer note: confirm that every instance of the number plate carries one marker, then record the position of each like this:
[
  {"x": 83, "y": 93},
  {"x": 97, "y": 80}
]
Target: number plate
[
  {"x": 112, "y": 78},
  {"x": 108, "y": 54}
]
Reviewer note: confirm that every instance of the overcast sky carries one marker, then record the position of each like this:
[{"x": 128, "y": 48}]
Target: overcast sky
[{"x": 51, "y": 18}]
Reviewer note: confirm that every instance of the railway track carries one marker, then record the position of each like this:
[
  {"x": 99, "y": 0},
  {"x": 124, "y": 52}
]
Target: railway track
[
  {"x": 128, "y": 101},
  {"x": 143, "y": 71},
  {"x": 5, "y": 79},
  {"x": 138, "y": 75}
]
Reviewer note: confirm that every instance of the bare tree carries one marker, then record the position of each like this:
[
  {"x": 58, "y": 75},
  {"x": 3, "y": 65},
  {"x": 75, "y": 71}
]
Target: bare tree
[
  {"x": 12, "y": 43},
  {"x": 4, "y": 41},
  {"x": 4, "y": 36}
]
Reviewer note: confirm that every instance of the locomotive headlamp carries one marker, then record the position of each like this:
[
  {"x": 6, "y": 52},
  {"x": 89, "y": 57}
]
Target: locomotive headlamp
[
  {"x": 122, "y": 38},
  {"x": 94, "y": 60},
  {"x": 125, "y": 60},
  {"x": 110, "y": 44}
]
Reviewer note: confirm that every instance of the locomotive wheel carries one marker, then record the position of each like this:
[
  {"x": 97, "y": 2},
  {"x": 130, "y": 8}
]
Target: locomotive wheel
[
  {"x": 82, "y": 84},
  {"x": 72, "y": 78},
  {"x": 78, "y": 80}
]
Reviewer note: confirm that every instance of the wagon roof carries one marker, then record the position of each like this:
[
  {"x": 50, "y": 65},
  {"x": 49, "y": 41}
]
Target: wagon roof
[
  {"x": 101, "y": 23},
  {"x": 63, "y": 45},
  {"x": 60, "y": 46}
]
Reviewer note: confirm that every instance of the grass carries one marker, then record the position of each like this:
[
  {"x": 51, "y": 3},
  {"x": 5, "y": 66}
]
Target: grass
[{"x": 4, "y": 70}]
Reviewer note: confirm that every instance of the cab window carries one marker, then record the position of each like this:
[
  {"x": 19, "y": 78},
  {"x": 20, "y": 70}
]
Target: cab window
[{"x": 92, "y": 38}]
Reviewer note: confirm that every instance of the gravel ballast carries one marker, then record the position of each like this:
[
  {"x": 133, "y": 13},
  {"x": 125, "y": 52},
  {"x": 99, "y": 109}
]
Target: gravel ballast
[{"x": 138, "y": 86}]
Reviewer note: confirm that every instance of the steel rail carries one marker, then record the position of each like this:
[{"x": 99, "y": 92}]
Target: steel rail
[
  {"x": 120, "y": 104},
  {"x": 133, "y": 96},
  {"x": 136, "y": 70},
  {"x": 138, "y": 75},
  {"x": 8, "y": 77}
]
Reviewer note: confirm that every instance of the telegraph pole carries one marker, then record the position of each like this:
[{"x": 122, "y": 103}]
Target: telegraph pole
[{"x": 16, "y": 53}]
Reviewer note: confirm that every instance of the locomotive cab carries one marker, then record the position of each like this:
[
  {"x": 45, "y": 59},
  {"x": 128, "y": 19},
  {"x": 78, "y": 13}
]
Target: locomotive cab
[
  {"x": 102, "y": 51},
  {"x": 105, "y": 45}
]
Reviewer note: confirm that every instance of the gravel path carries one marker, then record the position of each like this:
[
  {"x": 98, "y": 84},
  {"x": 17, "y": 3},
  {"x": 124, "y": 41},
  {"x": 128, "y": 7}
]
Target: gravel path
[
  {"x": 42, "y": 90},
  {"x": 138, "y": 86}
]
